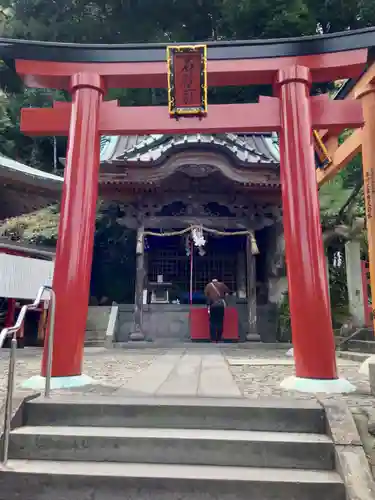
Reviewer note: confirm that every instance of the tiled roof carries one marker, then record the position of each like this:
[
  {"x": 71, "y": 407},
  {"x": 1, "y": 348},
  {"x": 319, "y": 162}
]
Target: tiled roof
[
  {"x": 12, "y": 169},
  {"x": 249, "y": 148}
]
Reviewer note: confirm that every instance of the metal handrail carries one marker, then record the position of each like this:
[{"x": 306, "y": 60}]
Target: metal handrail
[{"x": 12, "y": 330}]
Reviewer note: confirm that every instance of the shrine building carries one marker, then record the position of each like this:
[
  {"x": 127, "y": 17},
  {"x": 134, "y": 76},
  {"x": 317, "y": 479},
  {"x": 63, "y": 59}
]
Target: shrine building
[
  {"x": 227, "y": 183},
  {"x": 167, "y": 184}
]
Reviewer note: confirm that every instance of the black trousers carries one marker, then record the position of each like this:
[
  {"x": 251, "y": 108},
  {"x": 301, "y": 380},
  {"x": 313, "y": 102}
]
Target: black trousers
[{"x": 216, "y": 322}]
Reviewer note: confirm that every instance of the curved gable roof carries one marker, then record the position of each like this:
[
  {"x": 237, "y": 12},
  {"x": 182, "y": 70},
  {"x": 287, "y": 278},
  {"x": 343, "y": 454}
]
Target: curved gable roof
[
  {"x": 15, "y": 171},
  {"x": 248, "y": 148}
]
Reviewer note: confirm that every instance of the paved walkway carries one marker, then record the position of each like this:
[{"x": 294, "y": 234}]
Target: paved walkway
[{"x": 191, "y": 370}]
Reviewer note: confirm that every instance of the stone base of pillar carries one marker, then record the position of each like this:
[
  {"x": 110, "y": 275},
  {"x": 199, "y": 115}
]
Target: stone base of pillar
[
  {"x": 253, "y": 337},
  {"x": 316, "y": 386},
  {"x": 38, "y": 382},
  {"x": 364, "y": 368},
  {"x": 137, "y": 337}
]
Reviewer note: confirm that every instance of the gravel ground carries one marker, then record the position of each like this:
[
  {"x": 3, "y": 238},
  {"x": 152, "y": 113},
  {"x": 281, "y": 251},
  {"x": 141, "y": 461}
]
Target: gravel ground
[
  {"x": 107, "y": 367},
  {"x": 264, "y": 380},
  {"x": 113, "y": 368}
]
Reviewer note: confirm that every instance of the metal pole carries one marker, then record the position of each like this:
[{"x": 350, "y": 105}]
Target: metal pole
[
  {"x": 9, "y": 399},
  {"x": 50, "y": 340},
  {"x": 54, "y": 155},
  {"x": 191, "y": 272}
]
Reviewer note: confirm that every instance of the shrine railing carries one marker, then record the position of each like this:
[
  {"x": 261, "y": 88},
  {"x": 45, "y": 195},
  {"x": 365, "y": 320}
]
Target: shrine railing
[{"x": 12, "y": 332}]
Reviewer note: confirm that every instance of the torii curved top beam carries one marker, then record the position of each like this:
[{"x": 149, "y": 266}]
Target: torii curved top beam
[
  {"x": 325, "y": 57},
  {"x": 132, "y": 53}
]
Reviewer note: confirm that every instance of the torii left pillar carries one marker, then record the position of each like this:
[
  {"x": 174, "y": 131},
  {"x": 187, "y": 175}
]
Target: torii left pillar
[{"x": 71, "y": 281}]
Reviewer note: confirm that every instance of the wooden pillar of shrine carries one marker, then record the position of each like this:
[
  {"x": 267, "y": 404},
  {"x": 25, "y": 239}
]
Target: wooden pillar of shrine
[
  {"x": 251, "y": 291},
  {"x": 367, "y": 96},
  {"x": 137, "y": 333},
  {"x": 241, "y": 275}
]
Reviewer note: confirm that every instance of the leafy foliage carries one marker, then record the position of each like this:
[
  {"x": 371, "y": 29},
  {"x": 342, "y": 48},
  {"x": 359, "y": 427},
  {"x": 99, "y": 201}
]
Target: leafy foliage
[
  {"x": 39, "y": 227},
  {"x": 284, "y": 320},
  {"x": 113, "y": 270}
]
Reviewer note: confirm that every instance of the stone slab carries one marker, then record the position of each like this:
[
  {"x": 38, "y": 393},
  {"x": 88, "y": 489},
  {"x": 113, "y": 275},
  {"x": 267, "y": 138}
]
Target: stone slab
[
  {"x": 184, "y": 378},
  {"x": 282, "y": 415},
  {"x": 353, "y": 356},
  {"x": 273, "y": 362},
  {"x": 174, "y": 446},
  {"x": 216, "y": 378},
  {"x": 20, "y": 398},
  {"x": 340, "y": 423},
  {"x": 371, "y": 373},
  {"x": 30, "y": 479},
  {"x": 351, "y": 461},
  {"x": 152, "y": 378},
  {"x": 354, "y": 468}
]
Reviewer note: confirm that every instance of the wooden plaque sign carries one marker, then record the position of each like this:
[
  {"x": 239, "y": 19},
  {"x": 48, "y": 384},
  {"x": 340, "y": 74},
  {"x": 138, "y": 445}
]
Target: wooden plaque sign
[
  {"x": 322, "y": 157},
  {"x": 187, "y": 80}
]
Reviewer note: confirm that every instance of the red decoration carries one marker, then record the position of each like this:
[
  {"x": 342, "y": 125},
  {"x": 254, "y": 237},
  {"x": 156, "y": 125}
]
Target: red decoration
[{"x": 200, "y": 328}]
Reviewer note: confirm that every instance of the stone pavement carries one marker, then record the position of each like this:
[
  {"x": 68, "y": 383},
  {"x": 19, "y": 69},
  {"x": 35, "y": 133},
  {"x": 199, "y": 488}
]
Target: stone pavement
[{"x": 190, "y": 370}]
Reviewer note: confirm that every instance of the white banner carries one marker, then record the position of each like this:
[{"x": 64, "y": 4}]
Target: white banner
[{"x": 21, "y": 277}]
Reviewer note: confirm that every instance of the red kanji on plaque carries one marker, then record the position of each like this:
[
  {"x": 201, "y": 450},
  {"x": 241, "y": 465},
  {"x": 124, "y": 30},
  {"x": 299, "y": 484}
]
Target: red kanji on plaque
[{"x": 187, "y": 80}]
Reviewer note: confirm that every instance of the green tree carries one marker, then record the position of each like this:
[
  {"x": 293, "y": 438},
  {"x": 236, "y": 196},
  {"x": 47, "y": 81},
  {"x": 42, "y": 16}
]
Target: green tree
[
  {"x": 122, "y": 21},
  {"x": 113, "y": 268}
]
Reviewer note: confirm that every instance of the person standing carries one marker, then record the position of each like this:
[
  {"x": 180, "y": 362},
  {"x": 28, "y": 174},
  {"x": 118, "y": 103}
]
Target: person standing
[{"x": 216, "y": 292}]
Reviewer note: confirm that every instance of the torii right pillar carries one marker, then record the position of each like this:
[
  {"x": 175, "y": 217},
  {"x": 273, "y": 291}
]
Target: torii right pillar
[
  {"x": 367, "y": 97},
  {"x": 313, "y": 340}
]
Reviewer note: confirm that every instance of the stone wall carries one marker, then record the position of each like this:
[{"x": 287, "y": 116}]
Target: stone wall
[
  {"x": 160, "y": 322},
  {"x": 96, "y": 326},
  {"x": 170, "y": 322}
]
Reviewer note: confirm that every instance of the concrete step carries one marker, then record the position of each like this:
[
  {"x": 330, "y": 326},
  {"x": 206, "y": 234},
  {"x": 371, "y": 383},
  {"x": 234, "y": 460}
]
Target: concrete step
[
  {"x": 179, "y": 413},
  {"x": 174, "y": 446},
  {"x": 364, "y": 346},
  {"x": 353, "y": 356},
  {"x": 39, "y": 480}
]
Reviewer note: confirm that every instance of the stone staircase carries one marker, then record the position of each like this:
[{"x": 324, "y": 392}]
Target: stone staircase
[{"x": 171, "y": 449}]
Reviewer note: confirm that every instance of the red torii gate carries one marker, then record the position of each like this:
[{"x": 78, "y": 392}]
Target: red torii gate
[{"x": 292, "y": 113}]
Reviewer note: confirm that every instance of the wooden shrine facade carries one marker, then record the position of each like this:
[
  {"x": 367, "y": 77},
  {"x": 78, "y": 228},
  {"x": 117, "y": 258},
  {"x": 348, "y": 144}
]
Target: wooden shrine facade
[{"x": 227, "y": 182}]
